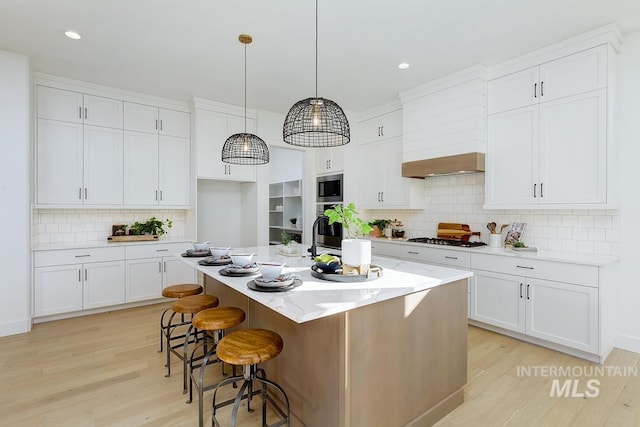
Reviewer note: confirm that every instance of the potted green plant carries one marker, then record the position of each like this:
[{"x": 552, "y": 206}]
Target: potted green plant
[
  {"x": 355, "y": 252},
  {"x": 153, "y": 226},
  {"x": 378, "y": 226}
]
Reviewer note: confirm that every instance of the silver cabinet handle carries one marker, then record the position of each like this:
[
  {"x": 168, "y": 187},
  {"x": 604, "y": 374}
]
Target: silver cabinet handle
[
  {"x": 528, "y": 287},
  {"x": 156, "y": 195},
  {"x": 159, "y": 267},
  {"x": 525, "y": 267},
  {"x": 85, "y": 193},
  {"x": 541, "y": 193},
  {"x": 165, "y": 266},
  {"x": 162, "y": 250},
  {"x": 80, "y": 193},
  {"x": 378, "y": 130},
  {"x": 451, "y": 257},
  {"x": 86, "y": 115},
  {"x": 160, "y": 195},
  {"x": 534, "y": 190},
  {"x": 541, "y": 88},
  {"x": 413, "y": 253},
  {"x": 80, "y": 113},
  {"x": 535, "y": 90},
  {"x": 329, "y": 163},
  {"x": 85, "y": 275},
  {"x": 160, "y": 124},
  {"x": 520, "y": 290},
  {"x": 156, "y": 124},
  {"x": 382, "y": 196},
  {"x": 382, "y": 130},
  {"x": 83, "y": 256},
  {"x": 79, "y": 275}
]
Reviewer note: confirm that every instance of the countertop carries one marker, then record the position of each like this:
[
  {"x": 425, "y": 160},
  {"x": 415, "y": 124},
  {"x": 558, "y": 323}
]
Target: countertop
[
  {"x": 568, "y": 257},
  {"x": 317, "y": 298}
]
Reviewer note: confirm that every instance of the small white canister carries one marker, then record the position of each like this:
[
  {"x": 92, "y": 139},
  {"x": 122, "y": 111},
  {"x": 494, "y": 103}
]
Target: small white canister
[{"x": 495, "y": 240}]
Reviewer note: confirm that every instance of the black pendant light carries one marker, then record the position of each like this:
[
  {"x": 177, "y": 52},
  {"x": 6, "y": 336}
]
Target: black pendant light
[
  {"x": 316, "y": 122},
  {"x": 245, "y": 148}
]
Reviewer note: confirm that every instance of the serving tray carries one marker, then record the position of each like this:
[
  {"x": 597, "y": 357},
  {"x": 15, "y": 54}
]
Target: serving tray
[{"x": 374, "y": 273}]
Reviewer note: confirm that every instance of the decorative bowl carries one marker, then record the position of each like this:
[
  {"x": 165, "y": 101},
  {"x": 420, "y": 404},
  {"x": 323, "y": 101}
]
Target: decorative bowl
[
  {"x": 270, "y": 270},
  {"x": 201, "y": 246},
  {"x": 242, "y": 258},
  {"x": 218, "y": 252}
]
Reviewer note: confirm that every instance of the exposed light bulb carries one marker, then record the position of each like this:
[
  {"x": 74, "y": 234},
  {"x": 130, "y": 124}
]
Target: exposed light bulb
[{"x": 245, "y": 144}]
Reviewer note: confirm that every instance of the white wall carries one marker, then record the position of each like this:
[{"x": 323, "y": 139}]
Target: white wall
[
  {"x": 629, "y": 155},
  {"x": 219, "y": 209},
  {"x": 15, "y": 255}
]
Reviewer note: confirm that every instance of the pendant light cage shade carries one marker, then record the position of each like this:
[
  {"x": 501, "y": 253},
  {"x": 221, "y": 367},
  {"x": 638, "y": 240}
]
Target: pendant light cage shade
[
  {"x": 245, "y": 149},
  {"x": 316, "y": 122}
]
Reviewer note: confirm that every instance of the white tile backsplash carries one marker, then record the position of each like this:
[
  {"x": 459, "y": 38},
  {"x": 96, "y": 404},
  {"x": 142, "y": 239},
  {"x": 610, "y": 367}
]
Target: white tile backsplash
[
  {"x": 86, "y": 225},
  {"x": 460, "y": 198}
]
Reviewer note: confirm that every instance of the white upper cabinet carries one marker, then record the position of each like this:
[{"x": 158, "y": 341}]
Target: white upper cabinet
[
  {"x": 149, "y": 119},
  {"x": 330, "y": 160},
  {"x": 75, "y": 107},
  {"x": 103, "y": 168},
  {"x": 388, "y": 125},
  {"x": 212, "y": 128},
  {"x": 173, "y": 171},
  {"x": 547, "y": 133},
  {"x": 573, "y": 74}
]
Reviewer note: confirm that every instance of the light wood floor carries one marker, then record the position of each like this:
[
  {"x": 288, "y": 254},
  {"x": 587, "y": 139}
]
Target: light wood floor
[{"x": 104, "y": 370}]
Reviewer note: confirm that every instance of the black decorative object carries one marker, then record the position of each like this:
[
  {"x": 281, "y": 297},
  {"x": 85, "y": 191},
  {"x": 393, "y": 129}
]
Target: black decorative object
[
  {"x": 316, "y": 122},
  {"x": 245, "y": 148}
]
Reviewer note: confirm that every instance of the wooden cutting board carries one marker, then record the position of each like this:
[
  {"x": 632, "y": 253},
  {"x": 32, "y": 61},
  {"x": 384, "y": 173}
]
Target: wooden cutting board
[{"x": 455, "y": 231}]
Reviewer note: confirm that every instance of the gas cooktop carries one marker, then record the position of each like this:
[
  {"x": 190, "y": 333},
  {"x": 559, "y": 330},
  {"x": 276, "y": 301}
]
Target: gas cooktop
[{"x": 446, "y": 242}]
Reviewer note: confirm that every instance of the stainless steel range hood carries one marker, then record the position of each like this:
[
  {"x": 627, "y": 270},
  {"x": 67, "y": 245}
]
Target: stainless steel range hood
[{"x": 448, "y": 165}]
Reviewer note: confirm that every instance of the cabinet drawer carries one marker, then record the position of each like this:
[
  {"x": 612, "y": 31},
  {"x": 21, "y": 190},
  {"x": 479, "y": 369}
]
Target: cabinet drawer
[
  {"x": 586, "y": 275},
  {"x": 76, "y": 256},
  {"x": 446, "y": 257},
  {"x": 385, "y": 249},
  {"x": 156, "y": 250}
]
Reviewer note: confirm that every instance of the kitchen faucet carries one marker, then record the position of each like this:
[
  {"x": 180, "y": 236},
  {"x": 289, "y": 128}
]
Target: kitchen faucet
[{"x": 314, "y": 231}]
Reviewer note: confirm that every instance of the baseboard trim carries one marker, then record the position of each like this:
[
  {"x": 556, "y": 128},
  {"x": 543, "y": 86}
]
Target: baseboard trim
[
  {"x": 15, "y": 327},
  {"x": 627, "y": 342}
]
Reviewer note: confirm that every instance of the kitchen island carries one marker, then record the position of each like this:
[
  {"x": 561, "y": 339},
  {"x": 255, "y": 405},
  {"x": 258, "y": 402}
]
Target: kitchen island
[{"x": 386, "y": 352}]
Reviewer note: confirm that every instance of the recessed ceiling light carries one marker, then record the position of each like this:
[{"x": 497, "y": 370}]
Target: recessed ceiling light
[
  {"x": 72, "y": 35},
  {"x": 403, "y": 66}
]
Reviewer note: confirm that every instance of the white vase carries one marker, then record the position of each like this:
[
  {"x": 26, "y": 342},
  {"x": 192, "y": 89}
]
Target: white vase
[{"x": 356, "y": 252}]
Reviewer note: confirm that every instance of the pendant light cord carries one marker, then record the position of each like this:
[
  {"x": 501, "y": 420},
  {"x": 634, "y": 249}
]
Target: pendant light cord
[
  {"x": 316, "y": 49},
  {"x": 245, "y": 88}
]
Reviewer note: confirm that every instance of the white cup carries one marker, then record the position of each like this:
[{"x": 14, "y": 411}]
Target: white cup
[{"x": 495, "y": 240}]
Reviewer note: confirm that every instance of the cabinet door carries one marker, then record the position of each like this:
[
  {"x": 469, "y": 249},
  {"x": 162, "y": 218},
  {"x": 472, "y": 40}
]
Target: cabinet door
[
  {"x": 58, "y": 289},
  {"x": 323, "y": 160},
  {"x": 140, "y": 118},
  {"x": 385, "y": 126},
  {"x": 574, "y": 74},
  {"x": 369, "y": 176},
  {"x": 395, "y": 191},
  {"x": 140, "y": 168},
  {"x": 236, "y": 124},
  {"x": 144, "y": 279},
  {"x": 103, "y": 171},
  {"x": 564, "y": 314},
  {"x": 58, "y": 104},
  {"x": 174, "y": 123},
  {"x": 512, "y": 157},
  {"x": 211, "y": 133},
  {"x": 573, "y": 153},
  {"x": 59, "y": 162},
  {"x": 513, "y": 91},
  {"x": 100, "y": 111},
  {"x": 498, "y": 299},
  {"x": 176, "y": 272},
  {"x": 174, "y": 173},
  {"x": 104, "y": 284}
]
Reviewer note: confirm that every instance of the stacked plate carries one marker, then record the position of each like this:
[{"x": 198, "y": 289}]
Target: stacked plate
[
  {"x": 235, "y": 270},
  {"x": 211, "y": 260},
  {"x": 197, "y": 253},
  {"x": 282, "y": 283}
]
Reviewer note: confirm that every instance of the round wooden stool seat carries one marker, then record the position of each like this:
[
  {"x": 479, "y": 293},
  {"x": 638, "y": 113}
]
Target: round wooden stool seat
[
  {"x": 181, "y": 291},
  {"x": 212, "y": 319},
  {"x": 194, "y": 303},
  {"x": 249, "y": 347}
]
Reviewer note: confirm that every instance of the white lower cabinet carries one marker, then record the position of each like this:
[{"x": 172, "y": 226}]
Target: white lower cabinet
[
  {"x": 151, "y": 268},
  {"x": 565, "y": 313},
  {"x": 73, "y": 280}
]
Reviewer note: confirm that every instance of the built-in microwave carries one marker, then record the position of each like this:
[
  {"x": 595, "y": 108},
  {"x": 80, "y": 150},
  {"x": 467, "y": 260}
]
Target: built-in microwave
[{"x": 329, "y": 188}]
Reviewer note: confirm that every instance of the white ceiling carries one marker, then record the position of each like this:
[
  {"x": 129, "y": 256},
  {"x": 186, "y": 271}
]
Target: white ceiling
[{"x": 181, "y": 49}]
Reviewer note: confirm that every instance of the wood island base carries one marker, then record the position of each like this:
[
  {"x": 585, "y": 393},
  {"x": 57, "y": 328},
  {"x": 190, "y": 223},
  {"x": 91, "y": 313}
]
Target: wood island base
[{"x": 399, "y": 362}]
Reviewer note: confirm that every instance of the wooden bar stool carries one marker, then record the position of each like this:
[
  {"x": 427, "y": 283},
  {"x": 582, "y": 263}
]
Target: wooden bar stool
[
  {"x": 247, "y": 348},
  {"x": 191, "y": 304},
  {"x": 175, "y": 292},
  {"x": 212, "y": 321}
]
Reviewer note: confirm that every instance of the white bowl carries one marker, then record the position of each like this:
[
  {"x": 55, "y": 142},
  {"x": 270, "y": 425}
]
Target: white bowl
[
  {"x": 270, "y": 270},
  {"x": 203, "y": 246},
  {"x": 242, "y": 258},
  {"x": 218, "y": 252}
]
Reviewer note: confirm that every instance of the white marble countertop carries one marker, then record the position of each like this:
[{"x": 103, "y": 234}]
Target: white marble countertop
[
  {"x": 570, "y": 257},
  {"x": 317, "y": 298},
  {"x": 103, "y": 244}
]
